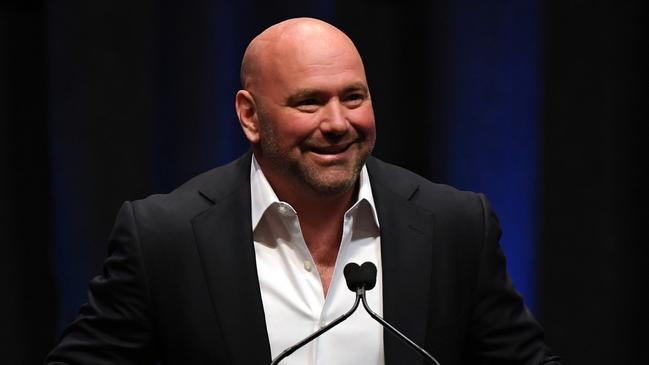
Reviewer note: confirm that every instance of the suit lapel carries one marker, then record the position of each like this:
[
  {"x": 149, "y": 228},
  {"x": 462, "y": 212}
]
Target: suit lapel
[
  {"x": 224, "y": 240},
  {"x": 406, "y": 250}
]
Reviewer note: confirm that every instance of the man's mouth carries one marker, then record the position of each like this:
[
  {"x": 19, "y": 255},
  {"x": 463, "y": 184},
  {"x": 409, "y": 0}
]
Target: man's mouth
[{"x": 331, "y": 150}]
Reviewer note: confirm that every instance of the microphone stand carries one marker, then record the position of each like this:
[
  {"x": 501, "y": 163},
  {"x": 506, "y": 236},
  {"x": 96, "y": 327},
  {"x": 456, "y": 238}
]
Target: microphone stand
[
  {"x": 322, "y": 330},
  {"x": 361, "y": 292},
  {"x": 358, "y": 277}
]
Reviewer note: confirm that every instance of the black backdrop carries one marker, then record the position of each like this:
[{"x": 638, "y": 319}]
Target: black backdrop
[{"x": 106, "y": 101}]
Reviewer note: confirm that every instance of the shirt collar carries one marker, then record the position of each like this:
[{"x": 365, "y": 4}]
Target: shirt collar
[{"x": 263, "y": 196}]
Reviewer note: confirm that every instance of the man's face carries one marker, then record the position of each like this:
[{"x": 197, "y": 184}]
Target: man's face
[{"x": 315, "y": 115}]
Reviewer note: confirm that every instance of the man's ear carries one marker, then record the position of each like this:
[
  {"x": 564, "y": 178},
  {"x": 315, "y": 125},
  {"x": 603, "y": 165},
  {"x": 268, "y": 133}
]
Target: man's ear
[{"x": 247, "y": 113}]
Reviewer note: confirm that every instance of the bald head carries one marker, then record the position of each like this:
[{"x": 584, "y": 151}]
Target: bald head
[
  {"x": 306, "y": 110},
  {"x": 288, "y": 40}
]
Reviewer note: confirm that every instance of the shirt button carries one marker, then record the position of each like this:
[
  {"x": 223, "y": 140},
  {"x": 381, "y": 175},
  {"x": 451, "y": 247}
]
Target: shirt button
[
  {"x": 308, "y": 265},
  {"x": 323, "y": 323}
]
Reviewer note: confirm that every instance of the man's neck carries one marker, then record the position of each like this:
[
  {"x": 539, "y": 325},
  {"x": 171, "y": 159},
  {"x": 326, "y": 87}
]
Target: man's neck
[
  {"x": 316, "y": 206},
  {"x": 321, "y": 219}
]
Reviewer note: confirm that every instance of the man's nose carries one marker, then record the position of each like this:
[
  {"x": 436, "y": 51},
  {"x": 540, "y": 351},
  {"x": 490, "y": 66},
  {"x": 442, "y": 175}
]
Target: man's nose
[{"x": 334, "y": 120}]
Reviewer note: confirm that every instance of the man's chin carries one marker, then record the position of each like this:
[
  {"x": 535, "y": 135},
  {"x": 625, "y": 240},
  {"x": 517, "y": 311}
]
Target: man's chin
[{"x": 331, "y": 182}]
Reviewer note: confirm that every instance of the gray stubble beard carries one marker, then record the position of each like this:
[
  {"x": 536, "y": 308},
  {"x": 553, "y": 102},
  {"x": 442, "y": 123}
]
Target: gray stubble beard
[{"x": 311, "y": 179}]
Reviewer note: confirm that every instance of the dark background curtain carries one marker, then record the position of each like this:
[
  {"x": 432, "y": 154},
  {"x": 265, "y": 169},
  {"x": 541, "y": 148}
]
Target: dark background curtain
[{"x": 538, "y": 104}]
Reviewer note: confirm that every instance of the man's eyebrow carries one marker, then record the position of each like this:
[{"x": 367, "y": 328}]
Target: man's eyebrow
[
  {"x": 302, "y": 94},
  {"x": 307, "y": 93},
  {"x": 357, "y": 86}
]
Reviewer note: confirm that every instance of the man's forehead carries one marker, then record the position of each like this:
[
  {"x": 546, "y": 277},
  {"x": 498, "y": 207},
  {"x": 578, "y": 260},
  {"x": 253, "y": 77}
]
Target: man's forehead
[
  {"x": 299, "y": 27},
  {"x": 291, "y": 34},
  {"x": 293, "y": 40},
  {"x": 300, "y": 39}
]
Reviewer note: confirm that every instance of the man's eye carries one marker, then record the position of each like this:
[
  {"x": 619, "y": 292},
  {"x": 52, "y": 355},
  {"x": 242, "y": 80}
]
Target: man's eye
[
  {"x": 307, "y": 105},
  {"x": 307, "y": 102},
  {"x": 353, "y": 100}
]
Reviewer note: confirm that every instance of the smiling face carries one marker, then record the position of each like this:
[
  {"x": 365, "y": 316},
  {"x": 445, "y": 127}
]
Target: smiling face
[{"x": 308, "y": 107}]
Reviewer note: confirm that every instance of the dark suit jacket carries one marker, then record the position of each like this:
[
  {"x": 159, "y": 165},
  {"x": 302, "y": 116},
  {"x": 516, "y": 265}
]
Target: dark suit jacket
[{"x": 180, "y": 285}]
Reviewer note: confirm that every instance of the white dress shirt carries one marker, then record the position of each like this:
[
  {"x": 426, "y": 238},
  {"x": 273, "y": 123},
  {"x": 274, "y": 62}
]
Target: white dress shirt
[{"x": 291, "y": 289}]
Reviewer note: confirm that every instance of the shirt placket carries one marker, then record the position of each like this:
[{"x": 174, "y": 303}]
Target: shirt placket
[
  {"x": 311, "y": 283},
  {"x": 334, "y": 305}
]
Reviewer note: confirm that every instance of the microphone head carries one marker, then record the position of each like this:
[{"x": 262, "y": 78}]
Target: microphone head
[{"x": 360, "y": 276}]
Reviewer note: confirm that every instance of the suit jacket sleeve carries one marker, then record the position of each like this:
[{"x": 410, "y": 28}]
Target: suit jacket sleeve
[
  {"x": 502, "y": 330},
  {"x": 114, "y": 327}
]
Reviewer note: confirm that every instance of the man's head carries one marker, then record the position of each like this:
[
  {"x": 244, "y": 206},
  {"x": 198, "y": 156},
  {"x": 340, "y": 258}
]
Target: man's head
[{"x": 305, "y": 106}]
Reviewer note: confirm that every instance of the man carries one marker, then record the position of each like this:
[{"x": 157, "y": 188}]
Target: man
[{"x": 245, "y": 260}]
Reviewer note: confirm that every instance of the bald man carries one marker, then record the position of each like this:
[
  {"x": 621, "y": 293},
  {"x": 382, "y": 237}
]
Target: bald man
[{"x": 245, "y": 260}]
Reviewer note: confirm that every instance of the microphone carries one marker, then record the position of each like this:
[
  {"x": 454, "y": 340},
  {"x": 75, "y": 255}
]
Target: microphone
[{"x": 362, "y": 278}]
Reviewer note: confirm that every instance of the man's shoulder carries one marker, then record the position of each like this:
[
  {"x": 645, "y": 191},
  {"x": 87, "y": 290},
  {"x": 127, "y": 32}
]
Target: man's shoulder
[
  {"x": 393, "y": 179},
  {"x": 400, "y": 179},
  {"x": 199, "y": 192}
]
